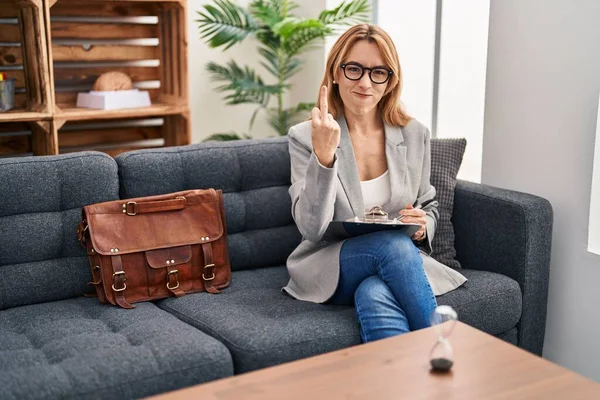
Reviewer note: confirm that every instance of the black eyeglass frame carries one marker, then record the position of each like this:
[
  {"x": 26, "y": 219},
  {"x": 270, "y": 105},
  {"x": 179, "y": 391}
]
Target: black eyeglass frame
[{"x": 389, "y": 72}]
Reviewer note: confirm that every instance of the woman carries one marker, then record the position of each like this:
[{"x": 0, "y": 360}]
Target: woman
[{"x": 361, "y": 150}]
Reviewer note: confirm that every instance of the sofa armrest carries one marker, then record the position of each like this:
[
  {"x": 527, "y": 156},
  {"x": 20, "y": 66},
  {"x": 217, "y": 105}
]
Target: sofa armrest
[{"x": 510, "y": 233}]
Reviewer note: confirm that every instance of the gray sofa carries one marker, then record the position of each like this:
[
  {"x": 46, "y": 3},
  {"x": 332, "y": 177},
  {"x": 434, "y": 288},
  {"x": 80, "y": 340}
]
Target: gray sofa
[{"x": 55, "y": 343}]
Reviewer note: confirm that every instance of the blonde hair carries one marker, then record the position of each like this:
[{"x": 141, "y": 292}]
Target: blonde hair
[{"x": 389, "y": 105}]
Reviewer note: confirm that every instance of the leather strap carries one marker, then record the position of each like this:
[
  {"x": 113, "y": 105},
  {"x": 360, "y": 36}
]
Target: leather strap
[
  {"x": 208, "y": 274},
  {"x": 118, "y": 282},
  {"x": 133, "y": 208},
  {"x": 173, "y": 281}
]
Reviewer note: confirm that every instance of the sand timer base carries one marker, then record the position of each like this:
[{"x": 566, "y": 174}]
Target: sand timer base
[{"x": 441, "y": 364}]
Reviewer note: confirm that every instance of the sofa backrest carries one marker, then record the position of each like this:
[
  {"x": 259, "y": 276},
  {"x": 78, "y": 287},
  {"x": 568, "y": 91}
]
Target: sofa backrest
[
  {"x": 40, "y": 206},
  {"x": 254, "y": 176}
]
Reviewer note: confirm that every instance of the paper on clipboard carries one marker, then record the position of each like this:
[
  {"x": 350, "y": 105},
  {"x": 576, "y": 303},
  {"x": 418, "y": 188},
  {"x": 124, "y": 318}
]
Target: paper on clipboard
[{"x": 351, "y": 228}]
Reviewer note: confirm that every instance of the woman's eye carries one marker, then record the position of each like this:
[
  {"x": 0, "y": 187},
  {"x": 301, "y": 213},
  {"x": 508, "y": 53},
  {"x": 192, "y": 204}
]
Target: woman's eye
[
  {"x": 380, "y": 72},
  {"x": 354, "y": 69}
]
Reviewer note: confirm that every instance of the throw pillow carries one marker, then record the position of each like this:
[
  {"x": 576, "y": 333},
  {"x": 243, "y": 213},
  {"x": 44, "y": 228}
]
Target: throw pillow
[{"x": 446, "y": 157}]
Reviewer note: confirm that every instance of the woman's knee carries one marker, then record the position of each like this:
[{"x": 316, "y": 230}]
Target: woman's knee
[
  {"x": 373, "y": 290},
  {"x": 399, "y": 248}
]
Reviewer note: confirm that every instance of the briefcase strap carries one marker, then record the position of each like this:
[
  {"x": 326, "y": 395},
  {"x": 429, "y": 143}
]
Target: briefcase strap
[
  {"x": 173, "y": 281},
  {"x": 208, "y": 274},
  {"x": 118, "y": 282}
]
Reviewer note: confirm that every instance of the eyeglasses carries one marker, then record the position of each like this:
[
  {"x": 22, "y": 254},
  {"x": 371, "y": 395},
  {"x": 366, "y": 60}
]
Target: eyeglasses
[{"x": 355, "y": 71}]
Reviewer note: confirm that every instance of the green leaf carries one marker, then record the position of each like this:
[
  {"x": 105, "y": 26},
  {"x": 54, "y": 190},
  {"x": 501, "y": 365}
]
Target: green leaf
[
  {"x": 253, "y": 118},
  {"x": 348, "y": 13},
  {"x": 225, "y": 24},
  {"x": 270, "y": 12},
  {"x": 222, "y": 137},
  {"x": 284, "y": 120},
  {"x": 297, "y": 34},
  {"x": 290, "y": 67},
  {"x": 272, "y": 64},
  {"x": 244, "y": 85}
]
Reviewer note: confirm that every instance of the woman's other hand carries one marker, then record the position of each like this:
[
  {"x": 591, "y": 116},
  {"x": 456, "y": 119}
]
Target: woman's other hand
[
  {"x": 415, "y": 216},
  {"x": 325, "y": 131}
]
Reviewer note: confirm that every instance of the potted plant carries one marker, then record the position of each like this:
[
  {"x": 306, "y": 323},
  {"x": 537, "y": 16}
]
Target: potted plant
[{"x": 282, "y": 37}]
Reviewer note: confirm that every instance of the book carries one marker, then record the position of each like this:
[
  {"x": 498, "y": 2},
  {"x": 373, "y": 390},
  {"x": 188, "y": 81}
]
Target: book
[{"x": 114, "y": 100}]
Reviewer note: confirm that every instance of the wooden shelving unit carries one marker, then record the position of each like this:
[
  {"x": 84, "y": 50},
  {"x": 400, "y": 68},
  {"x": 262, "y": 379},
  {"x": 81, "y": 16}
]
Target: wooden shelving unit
[{"x": 57, "y": 48}]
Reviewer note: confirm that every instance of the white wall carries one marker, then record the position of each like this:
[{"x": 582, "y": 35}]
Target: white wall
[
  {"x": 209, "y": 114},
  {"x": 543, "y": 81},
  {"x": 594, "y": 229}
]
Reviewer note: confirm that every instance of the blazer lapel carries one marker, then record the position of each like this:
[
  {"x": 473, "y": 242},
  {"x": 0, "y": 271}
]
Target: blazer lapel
[
  {"x": 348, "y": 170},
  {"x": 395, "y": 154}
]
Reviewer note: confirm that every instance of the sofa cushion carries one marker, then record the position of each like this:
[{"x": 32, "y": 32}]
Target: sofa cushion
[
  {"x": 488, "y": 301},
  {"x": 261, "y": 326},
  {"x": 446, "y": 157},
  {"x": 79, "y": 348},
  {"x": 254, "y": 176},
  {"x": 40, "y": 257}
]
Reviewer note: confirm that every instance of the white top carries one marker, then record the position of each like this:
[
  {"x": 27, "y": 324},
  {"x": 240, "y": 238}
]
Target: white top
[{"x": 377, "y": 191}]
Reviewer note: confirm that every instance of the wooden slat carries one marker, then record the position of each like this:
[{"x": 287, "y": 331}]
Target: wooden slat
[
  {"x": 11, "y": 56},
  {"x": 98, "y": 9},
  {"x": 19, "y": 76},
  {"x": 104, "y": 53},
  {"x": 102, "y": 31},
  {"x": 14, "y": 145},
  {"x": 8, "y": 10},
  {"x": 85, "y": 114},
  {"x": 9, "y": 33},
  {"x": 21, "y": 114},
  {"x": 105, "y": 136},
  {"x": 20, "y": 100},
  {"x": 44, "y": 140},
  {"x": 78, "y": 76},
  {"x": 176, "y": 130},
  {"x": 173, "y": 52},
  {"x": 35, "y": 63},
  {"x": 68, "y": 99},
  {"x": 13, "y": 127}
]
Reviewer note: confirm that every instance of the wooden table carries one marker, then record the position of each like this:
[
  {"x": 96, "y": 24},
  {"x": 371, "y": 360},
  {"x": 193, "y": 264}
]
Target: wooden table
[{"x": 395, "y": 368}]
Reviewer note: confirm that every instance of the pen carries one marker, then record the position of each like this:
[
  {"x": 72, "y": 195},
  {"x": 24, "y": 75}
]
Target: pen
[
  {"x": 418, "y": 206},
  {"x": 425, "y": 203}
]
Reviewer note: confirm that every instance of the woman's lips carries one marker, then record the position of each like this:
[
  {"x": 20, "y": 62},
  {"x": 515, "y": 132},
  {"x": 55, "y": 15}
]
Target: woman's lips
[{"x": 362, "y": 95}]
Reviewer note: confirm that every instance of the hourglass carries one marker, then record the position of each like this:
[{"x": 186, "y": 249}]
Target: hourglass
[{"x": 443, "y": 319}]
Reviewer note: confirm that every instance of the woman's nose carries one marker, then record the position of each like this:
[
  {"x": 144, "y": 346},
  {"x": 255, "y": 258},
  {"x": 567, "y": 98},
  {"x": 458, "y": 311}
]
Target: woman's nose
[{"x": 365, "y": 81}]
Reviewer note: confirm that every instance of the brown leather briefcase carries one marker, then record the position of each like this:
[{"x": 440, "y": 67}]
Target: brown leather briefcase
[{"x": 153, "y": 247}]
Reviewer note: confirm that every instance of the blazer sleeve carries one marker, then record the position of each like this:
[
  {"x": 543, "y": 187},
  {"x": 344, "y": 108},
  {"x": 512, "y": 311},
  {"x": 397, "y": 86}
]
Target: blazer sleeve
[
  {"x": 312, "y": 190},
  {"x": 427, "y": 192}
]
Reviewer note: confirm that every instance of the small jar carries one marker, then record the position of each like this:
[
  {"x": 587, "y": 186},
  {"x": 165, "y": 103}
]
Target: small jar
[{"x": 7, "y": 94}]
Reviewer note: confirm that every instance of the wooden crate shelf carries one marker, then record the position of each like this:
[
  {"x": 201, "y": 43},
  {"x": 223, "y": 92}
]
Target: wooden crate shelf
[
  {"x": 78, "y": 114},
  {"x": 21, "y": 114},
  {"x": 24, "y": 56},
  {"x": 77, "y": 41}
]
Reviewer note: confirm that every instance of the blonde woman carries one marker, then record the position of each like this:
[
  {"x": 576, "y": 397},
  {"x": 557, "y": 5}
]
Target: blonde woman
[{"x": 359, "y": 150}]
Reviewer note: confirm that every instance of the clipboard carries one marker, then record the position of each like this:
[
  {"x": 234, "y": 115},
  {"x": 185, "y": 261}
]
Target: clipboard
[{"x": 348, "y": 229}]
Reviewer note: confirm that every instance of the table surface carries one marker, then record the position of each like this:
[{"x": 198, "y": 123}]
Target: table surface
[{"x": 484, "y": 368}]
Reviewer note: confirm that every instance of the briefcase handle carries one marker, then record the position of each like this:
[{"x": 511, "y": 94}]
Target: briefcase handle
[{"x": 132, "y": 207}]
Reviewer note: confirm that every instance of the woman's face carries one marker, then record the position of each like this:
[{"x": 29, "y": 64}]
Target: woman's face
[{"x": 361, "y": 96}]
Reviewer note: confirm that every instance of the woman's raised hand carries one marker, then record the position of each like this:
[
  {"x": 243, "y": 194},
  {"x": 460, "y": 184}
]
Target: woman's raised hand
[{"x": 325, "y": 131}]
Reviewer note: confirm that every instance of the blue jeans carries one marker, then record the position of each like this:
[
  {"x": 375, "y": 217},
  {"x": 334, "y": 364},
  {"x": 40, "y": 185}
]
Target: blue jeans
[{"x": 382, "y": 275}]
